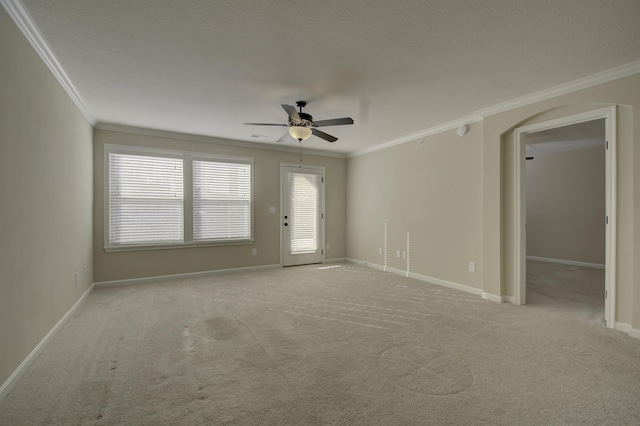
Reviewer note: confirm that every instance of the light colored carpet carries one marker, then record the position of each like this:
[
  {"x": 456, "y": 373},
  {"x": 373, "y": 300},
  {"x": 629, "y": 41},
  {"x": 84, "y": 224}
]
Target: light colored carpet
[{"x": 347, "y": 345}]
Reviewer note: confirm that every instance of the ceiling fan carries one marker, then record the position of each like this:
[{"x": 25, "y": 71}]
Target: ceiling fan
[{"x": 301, "y": 125}]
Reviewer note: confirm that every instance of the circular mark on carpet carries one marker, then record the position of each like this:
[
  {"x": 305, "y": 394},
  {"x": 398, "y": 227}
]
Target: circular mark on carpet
[{"x": 425, "y": 370}]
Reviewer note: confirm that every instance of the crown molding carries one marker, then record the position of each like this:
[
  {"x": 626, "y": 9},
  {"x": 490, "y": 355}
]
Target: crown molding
[
  {"x": 421, "y": 134},
  {"x": 29, "y": 29},
  {"x": 121, "y": 128},
  {"x": 562, "y": 89}
]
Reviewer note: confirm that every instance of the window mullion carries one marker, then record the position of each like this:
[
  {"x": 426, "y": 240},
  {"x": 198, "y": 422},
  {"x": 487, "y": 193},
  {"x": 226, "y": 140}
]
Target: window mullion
[
  {"x": 160, "y": 198},
  {"x": 188, "y": 199}
]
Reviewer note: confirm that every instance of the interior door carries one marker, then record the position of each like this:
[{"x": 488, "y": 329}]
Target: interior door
[{"x": 302, "y": 215}]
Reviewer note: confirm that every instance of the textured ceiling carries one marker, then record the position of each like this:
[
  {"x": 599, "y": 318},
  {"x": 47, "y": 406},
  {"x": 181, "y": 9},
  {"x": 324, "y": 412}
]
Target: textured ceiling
[{"x": 398, "y": 68}]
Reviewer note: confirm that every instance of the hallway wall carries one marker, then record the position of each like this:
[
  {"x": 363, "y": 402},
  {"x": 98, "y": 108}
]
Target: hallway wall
[{"x": 566, "y": 205}]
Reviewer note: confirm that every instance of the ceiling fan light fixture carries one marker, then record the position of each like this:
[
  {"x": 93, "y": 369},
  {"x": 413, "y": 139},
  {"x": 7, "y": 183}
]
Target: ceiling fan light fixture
[
  {"x": 301, "y": 125},
  {"x": 300, "y": 133}
]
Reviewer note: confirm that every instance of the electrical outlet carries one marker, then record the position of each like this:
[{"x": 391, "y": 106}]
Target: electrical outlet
[
  {"x": 379, "y": 250},
  {"x": 254, "y": 252},
  {"x": 472, "y": 266}
]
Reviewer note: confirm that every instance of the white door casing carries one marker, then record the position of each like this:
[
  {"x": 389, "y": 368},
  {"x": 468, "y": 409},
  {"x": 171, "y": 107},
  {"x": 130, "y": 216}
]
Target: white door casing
[
  {"x": 520, "y": 272},
  {"x": 302, "y": 214}
]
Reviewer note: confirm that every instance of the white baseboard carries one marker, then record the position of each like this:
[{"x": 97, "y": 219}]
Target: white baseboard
[
  {"x": 492, "y": 297},
  {"x": 626, "y": 328},
  {"x": 336, "y": 260},
  {"x": 509, "y": 299},
  {"x": 15, "y": 376},
  {"x": 566, "y": 262},
  {"x": 133, "y": 281},
  {"x": 448, "y": 284},
  {"x": 363, "y": 263},
  {"x": 379, "y": 267},
  {"x": 432, "y": 280}
]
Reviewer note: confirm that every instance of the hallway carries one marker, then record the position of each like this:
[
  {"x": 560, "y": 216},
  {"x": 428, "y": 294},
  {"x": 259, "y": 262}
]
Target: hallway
[{"x": 576, "y": 290}]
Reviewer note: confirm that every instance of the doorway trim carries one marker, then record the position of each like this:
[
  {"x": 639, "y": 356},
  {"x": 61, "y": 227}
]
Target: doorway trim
[
  {"x": 280, "y": 218},
  {"x": 520, "y": 269}
]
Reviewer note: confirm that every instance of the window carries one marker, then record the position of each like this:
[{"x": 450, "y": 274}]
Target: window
[
  {"x": 161, "y": 199},
  {"x": 221, "y": 200},
  {"x": 145, "y": 199}
]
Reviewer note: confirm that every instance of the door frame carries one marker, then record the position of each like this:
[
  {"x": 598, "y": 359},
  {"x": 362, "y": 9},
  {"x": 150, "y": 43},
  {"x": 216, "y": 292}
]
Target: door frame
[
  {"x": 322, "y": 192},
  {"x": 520, "y": 270}
]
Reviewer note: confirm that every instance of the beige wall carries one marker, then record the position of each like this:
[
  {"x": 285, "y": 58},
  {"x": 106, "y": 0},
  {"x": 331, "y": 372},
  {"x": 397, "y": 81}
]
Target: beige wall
[
  {"x": 468, "y": 215},
  {"x": 566, "y": 205},
  {"x": 150, "y": 263},
  {"x": 498, "y": 176},
  {"x": 46, "y": 192},
  {"x": 451, "y": 194},
  {"x": 635, "y": 208},
  {"x": 433, "y": 192}
]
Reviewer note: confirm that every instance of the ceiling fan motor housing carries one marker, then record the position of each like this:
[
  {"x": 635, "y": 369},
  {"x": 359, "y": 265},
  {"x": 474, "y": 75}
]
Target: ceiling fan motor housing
[
  {"x": 306, "y": 120},
  {"x": 301, "y": 125}
]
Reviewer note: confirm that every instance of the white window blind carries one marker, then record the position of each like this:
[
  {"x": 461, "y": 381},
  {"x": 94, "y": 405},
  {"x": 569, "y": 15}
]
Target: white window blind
[
  {"x": 145, "y": 199},
  {"x": 221, "y": 200},
  {"x": 304, "y": 212}
]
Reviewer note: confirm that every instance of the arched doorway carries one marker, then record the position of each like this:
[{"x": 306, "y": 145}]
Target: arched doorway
[{"x": 519, "y": 198}]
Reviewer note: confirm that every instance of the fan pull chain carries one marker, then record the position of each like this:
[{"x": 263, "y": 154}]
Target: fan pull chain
[{"x": 299, "y": 154}]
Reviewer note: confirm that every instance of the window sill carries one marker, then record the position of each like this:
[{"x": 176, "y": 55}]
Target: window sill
[{"x": 148, "y": 247}]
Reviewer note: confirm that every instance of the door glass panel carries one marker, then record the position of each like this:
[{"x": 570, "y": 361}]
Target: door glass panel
[{"x": 304, "y": 212}]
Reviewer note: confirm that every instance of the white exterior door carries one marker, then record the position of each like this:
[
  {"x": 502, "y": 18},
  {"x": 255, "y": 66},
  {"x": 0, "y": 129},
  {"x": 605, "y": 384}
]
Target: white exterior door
[{"x": 302, "y": 215}]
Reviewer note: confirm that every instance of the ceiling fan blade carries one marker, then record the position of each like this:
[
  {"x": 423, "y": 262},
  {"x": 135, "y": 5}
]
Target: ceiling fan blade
[
  {"x": 283, "y": 138},
  {"x": 323, "y": 135},
  {"x": 266, "y": 124},
  {"x": 334, "y": 122},
  {"x": 291, "y": 110}
]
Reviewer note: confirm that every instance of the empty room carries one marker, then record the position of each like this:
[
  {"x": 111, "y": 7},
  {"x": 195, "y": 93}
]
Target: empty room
[{"x": 319, "y": 212}]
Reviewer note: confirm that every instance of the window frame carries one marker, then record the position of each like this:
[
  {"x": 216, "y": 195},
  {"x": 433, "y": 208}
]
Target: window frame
[{"x": 187, "y": 202}]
